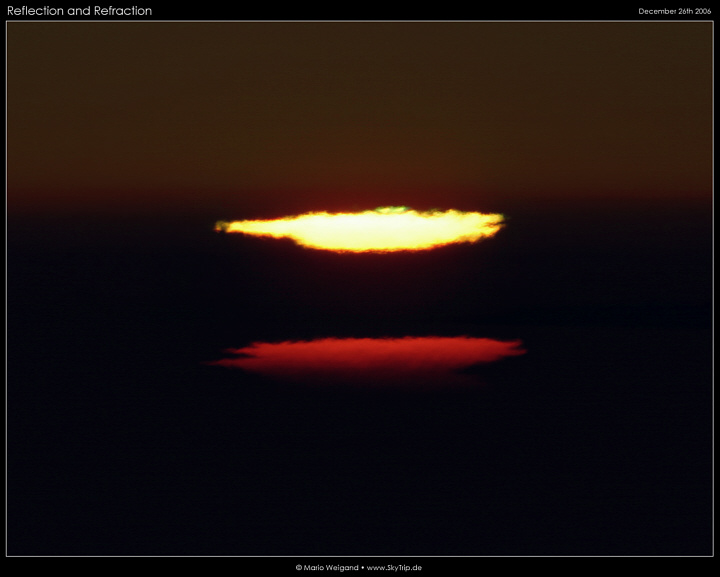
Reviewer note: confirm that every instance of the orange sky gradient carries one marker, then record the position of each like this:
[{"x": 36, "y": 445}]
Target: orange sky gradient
[{"x": 137, "y": 116}]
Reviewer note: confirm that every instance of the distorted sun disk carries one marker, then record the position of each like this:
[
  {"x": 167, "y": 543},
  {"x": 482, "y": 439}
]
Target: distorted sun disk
[
  {"x": 385, "y": 229},
  {"x": 408, "y": 362}
]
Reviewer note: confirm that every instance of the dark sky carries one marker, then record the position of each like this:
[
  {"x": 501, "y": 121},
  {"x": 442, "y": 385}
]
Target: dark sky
[{"x": 129, "y": 115}]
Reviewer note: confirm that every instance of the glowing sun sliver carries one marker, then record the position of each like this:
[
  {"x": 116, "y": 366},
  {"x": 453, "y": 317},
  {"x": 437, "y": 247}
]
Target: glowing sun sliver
[{"x": 384, "y": 229}]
